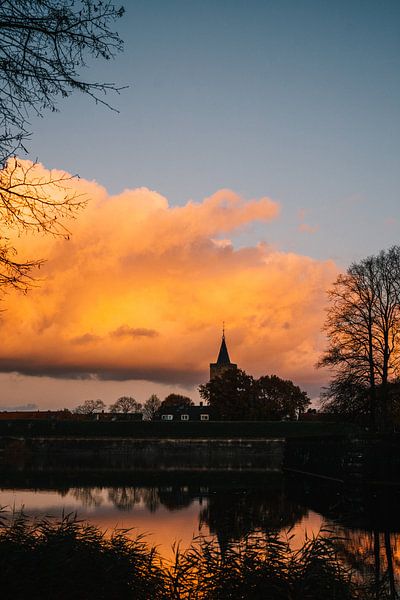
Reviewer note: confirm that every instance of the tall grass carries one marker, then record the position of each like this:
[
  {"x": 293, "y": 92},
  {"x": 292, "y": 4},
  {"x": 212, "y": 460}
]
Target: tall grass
[{"x": 67, "y": 558}]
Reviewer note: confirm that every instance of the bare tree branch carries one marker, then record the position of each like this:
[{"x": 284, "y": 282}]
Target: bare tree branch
[
  {"x": 44, "y": 45},
  {"x": 363, "y": 328}
]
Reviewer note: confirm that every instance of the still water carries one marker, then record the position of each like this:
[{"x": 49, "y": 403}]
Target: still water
[
  {"x": 177, "y": 506},
  {"x": 176, "y": 512},
  {"x": 166, "y": 514}
]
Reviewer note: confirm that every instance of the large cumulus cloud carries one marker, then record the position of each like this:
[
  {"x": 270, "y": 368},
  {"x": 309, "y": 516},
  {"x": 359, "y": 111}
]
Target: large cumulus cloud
[{"x": 142, "y": 287}]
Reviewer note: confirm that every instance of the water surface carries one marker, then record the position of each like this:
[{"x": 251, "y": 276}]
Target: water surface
[{"x": 176, "y": 506}]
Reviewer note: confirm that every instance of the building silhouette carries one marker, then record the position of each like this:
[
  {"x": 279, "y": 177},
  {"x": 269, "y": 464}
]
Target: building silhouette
[{"x": 223, "y": 363}]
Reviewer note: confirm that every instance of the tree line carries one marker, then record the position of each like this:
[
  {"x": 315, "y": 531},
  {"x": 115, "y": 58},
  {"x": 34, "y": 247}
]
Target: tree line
[
  {"x": 128, "y": 404},
  {"x": 124, "y": 405},
  {"x": 235, "y": 395}
]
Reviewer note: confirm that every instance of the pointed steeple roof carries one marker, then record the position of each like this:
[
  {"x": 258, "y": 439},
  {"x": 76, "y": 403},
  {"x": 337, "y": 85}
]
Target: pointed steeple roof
[
  {"x": 223, "y": 356},
  {"x": 223, "y": 363}
]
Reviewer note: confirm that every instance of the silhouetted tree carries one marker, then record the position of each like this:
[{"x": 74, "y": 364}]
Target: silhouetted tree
[
  {"x": 347, "y": 399},
  {"x": 177, "y": 401},
  {"x": 235, "y": 395},
  {"x": 231, "y": 395},
  {"x": 351, "y": 401},
  {"x": 278, "y": 398},
  {"x": 150, "y": 407},
  {"x": 125, "y": 404},
  {"x": 363, "y": 328},
  {"x": 43, "y": 46},
  {"x": 89, "y": 407}
]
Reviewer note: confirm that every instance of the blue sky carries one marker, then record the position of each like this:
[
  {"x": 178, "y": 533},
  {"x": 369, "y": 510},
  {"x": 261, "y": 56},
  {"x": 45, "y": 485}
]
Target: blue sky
[{"x": 296, "y": 100}]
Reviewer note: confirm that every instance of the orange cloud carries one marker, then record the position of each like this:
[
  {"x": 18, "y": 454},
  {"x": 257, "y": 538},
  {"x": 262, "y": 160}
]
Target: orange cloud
[{"x": 141, "y": 289}]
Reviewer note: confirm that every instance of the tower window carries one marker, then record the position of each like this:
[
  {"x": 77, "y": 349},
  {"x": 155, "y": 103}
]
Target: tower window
[{"x": 184, "y": 417}]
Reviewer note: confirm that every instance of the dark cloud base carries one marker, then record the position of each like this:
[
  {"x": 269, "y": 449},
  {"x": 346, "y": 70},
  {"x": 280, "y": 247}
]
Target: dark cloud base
[{"x": 185, "y": 377}]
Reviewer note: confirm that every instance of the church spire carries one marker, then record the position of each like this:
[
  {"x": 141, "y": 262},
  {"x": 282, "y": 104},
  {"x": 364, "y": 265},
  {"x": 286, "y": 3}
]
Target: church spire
[
  {"x": 223, "y": 361},
  {"x": 223, "y": 356}
]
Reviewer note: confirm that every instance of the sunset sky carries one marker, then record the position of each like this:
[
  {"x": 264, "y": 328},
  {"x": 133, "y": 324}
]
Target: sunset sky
[{"x": 255, "y": 155}]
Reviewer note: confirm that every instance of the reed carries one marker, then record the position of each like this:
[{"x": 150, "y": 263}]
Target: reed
[{"x": 67, "y": 558}]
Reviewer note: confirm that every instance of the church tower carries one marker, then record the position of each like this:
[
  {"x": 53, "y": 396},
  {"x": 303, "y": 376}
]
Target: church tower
[{"x": 223, "y": 361}]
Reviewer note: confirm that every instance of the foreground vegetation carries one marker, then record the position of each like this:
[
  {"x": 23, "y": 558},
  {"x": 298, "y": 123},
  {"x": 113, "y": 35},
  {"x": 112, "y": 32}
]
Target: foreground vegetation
[{"x": 70, "y": 559}]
